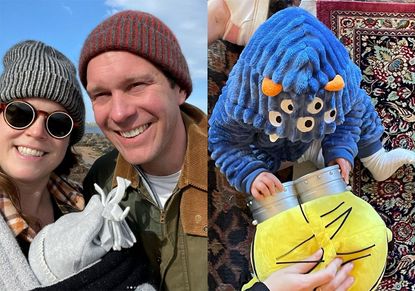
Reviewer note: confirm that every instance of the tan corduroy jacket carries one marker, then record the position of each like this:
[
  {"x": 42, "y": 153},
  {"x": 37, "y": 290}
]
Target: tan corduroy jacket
[{"x": 175, "y": 238}]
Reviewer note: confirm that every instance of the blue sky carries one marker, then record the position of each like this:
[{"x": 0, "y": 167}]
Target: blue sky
[{"x": 64, "y": 24}]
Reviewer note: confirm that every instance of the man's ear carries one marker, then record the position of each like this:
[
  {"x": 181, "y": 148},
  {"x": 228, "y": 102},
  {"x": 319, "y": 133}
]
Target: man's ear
[{"x": 182, "y": 96}]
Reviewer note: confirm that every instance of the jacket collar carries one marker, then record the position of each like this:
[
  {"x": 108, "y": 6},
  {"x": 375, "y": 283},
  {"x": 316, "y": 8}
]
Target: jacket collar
[{"x": 194, "y": 169}]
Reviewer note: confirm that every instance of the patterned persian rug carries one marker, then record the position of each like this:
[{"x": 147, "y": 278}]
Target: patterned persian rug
[{"x": 381, "y": 40}]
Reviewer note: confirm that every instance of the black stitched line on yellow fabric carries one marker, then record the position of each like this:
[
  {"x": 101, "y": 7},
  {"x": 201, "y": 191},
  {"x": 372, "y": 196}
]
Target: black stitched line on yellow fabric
[
  {"x": 355, "y": 259},
  {"x": 302, "y": 210},
  {"x": 382, "y": 273},
  {"x": 334, "y": 209},
  {"x": 354, "y": 252},
  {"x": 315, "y": 266},
  {"x": 379, "y": 278},
  {"x": 253, "y": 257},
  {"x": 297, "y": 246},
  {"x": 347, "y": 213},
  {"x": 296, "y": 262}
]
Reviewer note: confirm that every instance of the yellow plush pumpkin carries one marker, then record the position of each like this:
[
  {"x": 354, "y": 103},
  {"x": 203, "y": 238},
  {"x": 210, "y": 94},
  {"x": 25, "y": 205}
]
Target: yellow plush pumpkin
[{"x": 342, "y": 224}]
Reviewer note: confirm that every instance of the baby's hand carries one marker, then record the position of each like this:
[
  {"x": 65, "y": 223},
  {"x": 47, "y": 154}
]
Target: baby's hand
[
  {"x": 264, "y": 185},
  {"x": 345, "y": 168}
]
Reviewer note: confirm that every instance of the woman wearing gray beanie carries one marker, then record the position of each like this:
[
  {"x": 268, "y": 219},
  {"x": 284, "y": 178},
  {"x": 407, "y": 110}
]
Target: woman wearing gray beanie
[{"x": 42, "y": 115}]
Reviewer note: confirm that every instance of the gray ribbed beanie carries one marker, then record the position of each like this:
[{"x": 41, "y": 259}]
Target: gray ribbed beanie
[{"x": 34, "y": 69}]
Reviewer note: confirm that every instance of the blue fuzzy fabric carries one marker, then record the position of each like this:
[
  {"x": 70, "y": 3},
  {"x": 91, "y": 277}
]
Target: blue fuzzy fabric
[{"x": 295, "y": 49}]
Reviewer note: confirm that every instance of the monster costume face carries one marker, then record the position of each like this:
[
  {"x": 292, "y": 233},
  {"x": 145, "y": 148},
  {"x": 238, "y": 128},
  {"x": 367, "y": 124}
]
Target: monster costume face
[
  {"x": 292, "y": 118},
  {"x": 294, "y": 79}
]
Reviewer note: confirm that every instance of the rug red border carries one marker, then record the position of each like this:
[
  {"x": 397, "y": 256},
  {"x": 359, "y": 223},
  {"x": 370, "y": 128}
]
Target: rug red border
[{"x": 324, "y": 8}]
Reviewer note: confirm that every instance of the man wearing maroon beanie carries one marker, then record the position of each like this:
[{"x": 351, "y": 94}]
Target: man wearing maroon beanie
[{"x": 138, "y": 81}]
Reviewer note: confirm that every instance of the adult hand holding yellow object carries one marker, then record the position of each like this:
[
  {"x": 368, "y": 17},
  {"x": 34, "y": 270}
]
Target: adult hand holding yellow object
[{"x": 317, "y": 211}]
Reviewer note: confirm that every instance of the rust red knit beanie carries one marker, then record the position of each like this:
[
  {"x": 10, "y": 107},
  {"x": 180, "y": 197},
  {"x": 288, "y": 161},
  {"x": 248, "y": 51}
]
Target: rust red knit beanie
[{"x": 142, "y": 34}]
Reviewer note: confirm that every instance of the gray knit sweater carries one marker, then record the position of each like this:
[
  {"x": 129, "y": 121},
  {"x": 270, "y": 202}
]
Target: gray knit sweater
[{"x": 15, "y": 272}]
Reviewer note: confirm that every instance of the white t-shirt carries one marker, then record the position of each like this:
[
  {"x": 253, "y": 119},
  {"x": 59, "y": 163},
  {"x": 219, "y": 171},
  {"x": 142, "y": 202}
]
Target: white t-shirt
[{"x": 163, "y": 186}]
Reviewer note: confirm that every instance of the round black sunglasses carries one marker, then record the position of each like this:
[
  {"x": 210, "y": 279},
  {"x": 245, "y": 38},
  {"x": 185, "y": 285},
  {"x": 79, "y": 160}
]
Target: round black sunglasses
[{"x": 20, "y": 115}]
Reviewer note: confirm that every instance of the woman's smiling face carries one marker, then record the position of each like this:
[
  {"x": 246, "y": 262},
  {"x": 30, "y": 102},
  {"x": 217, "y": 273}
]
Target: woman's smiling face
[{"x": 31, "y": 154}]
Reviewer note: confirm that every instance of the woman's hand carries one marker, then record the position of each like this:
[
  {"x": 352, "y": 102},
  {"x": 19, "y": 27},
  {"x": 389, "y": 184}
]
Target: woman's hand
[{"x": 333, "y": 277}]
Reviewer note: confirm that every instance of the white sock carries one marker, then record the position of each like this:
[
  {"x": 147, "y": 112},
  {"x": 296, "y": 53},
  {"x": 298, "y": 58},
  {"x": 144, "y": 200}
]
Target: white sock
[
  {"x": 314, "y": 154},
  {"x": 383, "y": 164}
]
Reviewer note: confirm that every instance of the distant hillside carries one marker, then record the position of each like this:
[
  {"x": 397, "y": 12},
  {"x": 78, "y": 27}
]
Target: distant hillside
[
  {"x": 91, "y": 146},
  {"x": 92, "y": 127}
]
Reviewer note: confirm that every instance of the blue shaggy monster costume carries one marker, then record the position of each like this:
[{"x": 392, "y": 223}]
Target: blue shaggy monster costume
[{"x": 295, "y": 84}]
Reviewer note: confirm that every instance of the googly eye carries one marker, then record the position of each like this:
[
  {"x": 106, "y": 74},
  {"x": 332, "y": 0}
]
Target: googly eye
[
  {"x": 330, "y": 116},
  {"x": 287, "y": 106},
  {"x": 305, "y": 124},
  {"x": 315, "y": 106},
  {"x": 275, "y": 118}
]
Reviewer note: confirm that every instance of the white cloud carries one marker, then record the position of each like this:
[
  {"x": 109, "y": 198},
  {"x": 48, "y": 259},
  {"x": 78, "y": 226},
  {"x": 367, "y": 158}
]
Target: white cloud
[
  {"x": 67, "y": 8},
  {"x": 186, "y": 18}
]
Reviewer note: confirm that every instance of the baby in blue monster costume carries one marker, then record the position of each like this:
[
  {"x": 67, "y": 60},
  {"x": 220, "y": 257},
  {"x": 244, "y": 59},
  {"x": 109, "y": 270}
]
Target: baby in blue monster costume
[{"x": 293, "y": 90}]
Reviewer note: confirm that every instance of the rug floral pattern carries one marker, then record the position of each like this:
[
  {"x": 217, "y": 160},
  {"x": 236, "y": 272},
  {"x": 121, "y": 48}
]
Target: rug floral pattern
[{"x": 382, "y": 44}]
